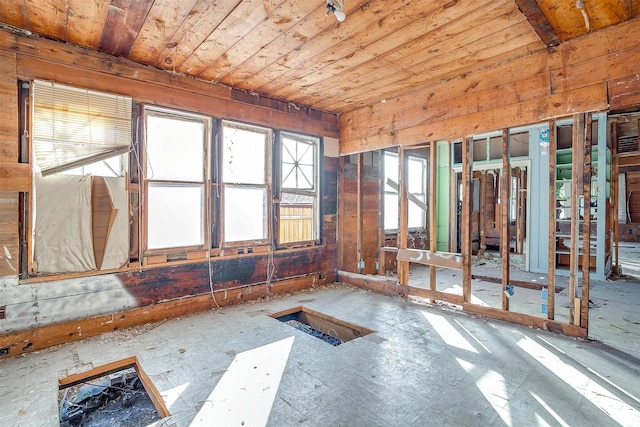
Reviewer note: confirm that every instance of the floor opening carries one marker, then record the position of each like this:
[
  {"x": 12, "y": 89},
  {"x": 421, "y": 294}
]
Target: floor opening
[
  {"x": 329, "y": 329},
  {"x": 116, "y": 394}
]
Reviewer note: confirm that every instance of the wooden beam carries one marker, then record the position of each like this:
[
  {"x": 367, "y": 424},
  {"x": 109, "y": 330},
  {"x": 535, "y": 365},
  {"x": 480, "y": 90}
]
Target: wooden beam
[
  {"x": 586, "y": 225},
  {"x": 433, "y": 238},
  {"x": 359, "y": 212},
  {"x": 522, "y": 209},
  {"x": 538, "y": 21},
  {"x": 403, "y": 266},
  {"x": 551, "y": 259},
  {"x": 342, "y": 212},
  {"x": 432, "y": 258},
  {"x": 482, "y": 215},
  {"x": 576, "y": 173},
  {"x": 436, "y": 295},
  {"x": 505, "y": 238},
  {"x": 15, "y": 177},
  {"x": 382, "y": 256},
  {"x": 615, "y": 189},
  {"x": 465, "y": 221}
]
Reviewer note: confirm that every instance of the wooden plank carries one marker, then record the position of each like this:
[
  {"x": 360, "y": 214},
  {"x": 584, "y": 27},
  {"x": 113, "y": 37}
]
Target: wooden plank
[
  {"x": 281, "y": 20},
  {"x": 436, "y": 259},
  {"x": 14, "y": 13},
  {"x": 242, "y": 18},
  {"x": 505, "y": 235},
  {"x": 615, "y": 189},
  {"x": 9, "y": 134},
  {"x": 124, "y": 20},
  {"x": 465, "y": 220},
  {"x": 366, "y": 42},
  {"x": 551, "y": 233},
  {"x": 433, "y": 239},
  {"x": 15, "y": 177},
  {"x": 85, "y": 22},
  {"x": 624, "y": 91},
  {"x": 436, "y": 295},
  {"x": 577, "y": 145},
  {"x": 527, "y": 320},
  {"x": 49, "y": 17},
  {"x": 592, "y": 98},
  {"x": 586, "y": 225},
  {"x": 628, "y": 159},
  {"x": 148, "y": 91},
  {"x": 482, "y": 215},
  {"x": 522, "y": 209},
  {"x": 160, "y": 25},
  {"x": 403, "y": 211},
  {"x": 359, "y": 212},
  {"x": 381, "y": 284},
  {"x": 539, "y": 21},
  {"x": 565, "y": 18},
  {"x": 342, "y": 213}
]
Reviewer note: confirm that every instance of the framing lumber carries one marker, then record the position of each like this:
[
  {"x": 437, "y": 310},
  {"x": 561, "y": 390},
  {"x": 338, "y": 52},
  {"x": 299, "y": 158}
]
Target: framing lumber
[
  {"x": 482, "y": 215},
  {"x": 586, "y": 225},
  {"x": 551, "y": 259},
  {"x": 505, "y": 238},
  {"x": 465, "y": 221},
  {"x": 432, "y": 258},
  {"x": 433, "y": 238},
  {"x": 578, "y": 150},
  {"x": 359, "y": 212},
  {"x": 615, "y": 189},
  {"x": 403, "y": 266}
]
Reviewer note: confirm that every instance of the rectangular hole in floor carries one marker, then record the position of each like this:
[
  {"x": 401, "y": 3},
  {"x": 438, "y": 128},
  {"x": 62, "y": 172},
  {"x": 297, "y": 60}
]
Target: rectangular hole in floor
[
  {"x": 329, "y": 329},
  {"x": 119, "y": 393}
]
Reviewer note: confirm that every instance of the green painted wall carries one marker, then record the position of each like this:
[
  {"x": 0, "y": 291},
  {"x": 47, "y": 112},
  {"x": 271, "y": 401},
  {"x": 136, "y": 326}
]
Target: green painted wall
[{"x": 442, "y": 196}]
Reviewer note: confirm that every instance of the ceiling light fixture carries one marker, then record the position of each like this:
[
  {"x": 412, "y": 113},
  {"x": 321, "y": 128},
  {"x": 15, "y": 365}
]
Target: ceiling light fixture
[{"x": 335, "y": 7}]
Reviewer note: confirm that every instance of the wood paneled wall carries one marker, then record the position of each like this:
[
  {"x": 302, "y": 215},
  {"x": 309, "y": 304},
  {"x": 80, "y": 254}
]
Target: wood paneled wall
[
  {"x": 41, "y": 305},
  {"x": 585, "y": 74}
]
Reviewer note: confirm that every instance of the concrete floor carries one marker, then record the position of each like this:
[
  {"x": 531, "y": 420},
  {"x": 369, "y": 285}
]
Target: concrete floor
[{"x": 424, "y": 365}]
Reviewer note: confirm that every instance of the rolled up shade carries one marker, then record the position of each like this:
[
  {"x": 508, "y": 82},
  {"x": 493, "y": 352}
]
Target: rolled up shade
[{"x": 74, "y": 127}]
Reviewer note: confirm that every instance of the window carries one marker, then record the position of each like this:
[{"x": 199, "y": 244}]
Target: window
[
  {"x": 298, "y": 208},
  {"x": 416, "y": 191},
  {"x": 246, "y": 180},
  {"x": 391, "y": 200},
  {"x": 80, "y": 140},
  {"x": 175, "y": 178}
]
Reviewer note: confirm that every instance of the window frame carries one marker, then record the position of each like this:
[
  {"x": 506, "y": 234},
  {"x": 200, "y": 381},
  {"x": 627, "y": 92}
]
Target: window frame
[
  {"x": 266, "y": 185},
  {"x": 315, "y": 192},
  {"x": 206, "y": 213}
]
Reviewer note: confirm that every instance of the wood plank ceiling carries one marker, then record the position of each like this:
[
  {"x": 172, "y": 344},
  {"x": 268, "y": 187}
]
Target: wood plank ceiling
[{"x": 292, "y": 51}]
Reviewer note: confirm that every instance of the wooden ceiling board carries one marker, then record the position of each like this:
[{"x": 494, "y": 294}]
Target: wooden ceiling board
[
  {"x": 196, "y": 27},
  {"x": 163, "y": 21},
  {"x": 14, "y": 13},
  {"x": 364, "y": 46},
  {"x": 269, "y": 77},
  {"x": 85, "y": 22},
  {"x": 124, "y": 20},
  {"x": 292, "y": 51},
  {"x": 539, "y": 21},
  {"x": 48, "y": 17},
  {"x": 290, "y": 41},
  {"x": 247, "y": 15},
  {"x": 283, "y": 18},
  {"x": 419, "y": 52},
  {"x": 603, "y": 14},
  {"x": 565, "y": 18}
]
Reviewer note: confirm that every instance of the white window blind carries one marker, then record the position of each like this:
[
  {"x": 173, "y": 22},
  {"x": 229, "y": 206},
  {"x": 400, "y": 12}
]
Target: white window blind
[{"x": 74, "y": 127}]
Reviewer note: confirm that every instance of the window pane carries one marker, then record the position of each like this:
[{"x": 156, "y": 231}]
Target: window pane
[
  {"x": 175, "y": 215},
  {"x": 244, "y": 155},
  {"x": 297, "y": 214},
  {"x": 245, "y": 213},
  {"x": 391, "y": 167},
  {"x": 175, "y": 149},
  {"x": 416, "y": 213},
  {"x": 390, "y": 211},
  {"x": 298, "y": 164},
  {"x": 415, "y": 171}
]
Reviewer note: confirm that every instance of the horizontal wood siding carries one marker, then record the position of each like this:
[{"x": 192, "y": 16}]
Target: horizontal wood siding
[{"x": 578, "y": 76}]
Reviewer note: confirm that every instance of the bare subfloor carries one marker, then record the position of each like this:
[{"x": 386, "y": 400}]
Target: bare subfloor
[{"x": 423, "y": 366}]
